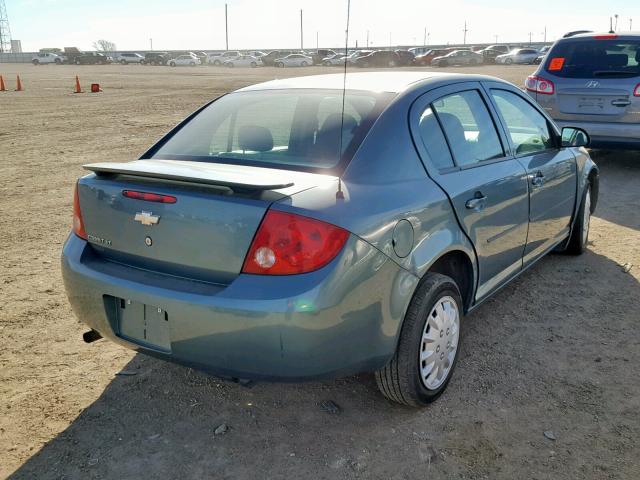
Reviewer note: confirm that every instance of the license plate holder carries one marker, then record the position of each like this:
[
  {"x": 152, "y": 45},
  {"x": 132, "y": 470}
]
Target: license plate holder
[{"x": 146, "y": 325}]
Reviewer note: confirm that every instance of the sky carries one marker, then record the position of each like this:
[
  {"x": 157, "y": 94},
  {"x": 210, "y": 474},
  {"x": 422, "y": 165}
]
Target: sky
[{"x": 270, "y": 24}]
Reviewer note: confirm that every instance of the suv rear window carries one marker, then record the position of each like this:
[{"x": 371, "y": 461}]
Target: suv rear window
[
  {"x": 595, "y": 58},
  {"x": 290, "y": 129}
]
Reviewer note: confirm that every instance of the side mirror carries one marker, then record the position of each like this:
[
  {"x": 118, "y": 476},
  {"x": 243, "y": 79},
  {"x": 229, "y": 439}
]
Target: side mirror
[{"x": 575, "y": 137}]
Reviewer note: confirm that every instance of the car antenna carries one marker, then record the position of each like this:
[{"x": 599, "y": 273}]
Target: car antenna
[{"x": 340, "y": 193}]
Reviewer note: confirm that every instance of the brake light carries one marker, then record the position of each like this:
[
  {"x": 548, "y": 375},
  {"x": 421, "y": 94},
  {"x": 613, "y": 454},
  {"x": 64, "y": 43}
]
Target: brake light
[
  {"x": 538, "y": 84},
  {"x": 149, "y": 197},
  {"x": 78, "y": 223},
  {"x": 636, "y": 91},
  {"x": 287, "y": 244},
  {"x": 608, "y": 36}
]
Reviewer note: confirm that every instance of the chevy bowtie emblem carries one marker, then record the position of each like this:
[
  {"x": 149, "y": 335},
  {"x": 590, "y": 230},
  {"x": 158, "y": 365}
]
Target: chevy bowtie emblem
[{"x": 147, "y": 218}]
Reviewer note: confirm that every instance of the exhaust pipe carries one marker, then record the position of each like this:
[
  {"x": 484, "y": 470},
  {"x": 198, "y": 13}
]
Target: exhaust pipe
[{"x": 91, "y": 336}]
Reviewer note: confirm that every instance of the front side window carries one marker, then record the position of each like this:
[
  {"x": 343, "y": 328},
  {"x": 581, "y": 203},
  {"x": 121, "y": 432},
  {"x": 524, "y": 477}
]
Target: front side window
[
  {"x": 303, "y": 129},
  {"x": 528, "y": 129},
  {"x": 469, "y": 128}
]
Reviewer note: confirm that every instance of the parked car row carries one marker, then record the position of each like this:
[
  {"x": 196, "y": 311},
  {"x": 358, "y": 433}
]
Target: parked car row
[{"x": 422, "y": 56}]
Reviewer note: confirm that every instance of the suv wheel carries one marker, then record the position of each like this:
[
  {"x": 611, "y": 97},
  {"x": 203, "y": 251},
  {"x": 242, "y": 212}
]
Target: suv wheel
[
  {"x": 303, "y": 63},
  {"x": 35, "y": 61},
  {"x": 509, "y": 61},
  {"x": 172, "y": 64},
  {"x": 254, "y": 64},
  {"x": 428, "y": 347}
]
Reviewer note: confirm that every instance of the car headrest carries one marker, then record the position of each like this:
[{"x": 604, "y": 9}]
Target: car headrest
[
  {"x": 335, "y": 121},
  {"x": 332, "y": 129},
  {"x": 255, "y": 138},
  {"x": 453, "y": 126},
  {"x": 617, "y": 59}
]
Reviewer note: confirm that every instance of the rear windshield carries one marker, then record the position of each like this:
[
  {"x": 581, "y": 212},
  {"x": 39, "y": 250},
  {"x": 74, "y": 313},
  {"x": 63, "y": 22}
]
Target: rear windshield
[
  {"x": 595, "y": 58},
  {"x": 292, "y": 129}
]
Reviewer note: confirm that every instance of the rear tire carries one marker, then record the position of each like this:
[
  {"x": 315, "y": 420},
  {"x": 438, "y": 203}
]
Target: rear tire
[
  {"x": 254, "y": 64},
  {"x": 580, "y": 233},
  {"x": 36, "y": 61},
  {"x": 432, "y": 329},
  {"x": 303, "y": 64},
  {"x": 509, "y": 61},
  {"x": 172, "y": 64}
]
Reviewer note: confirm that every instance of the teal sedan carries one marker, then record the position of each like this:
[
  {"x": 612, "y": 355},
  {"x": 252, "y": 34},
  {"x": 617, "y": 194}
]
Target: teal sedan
[{"x": 323, "y": 226}]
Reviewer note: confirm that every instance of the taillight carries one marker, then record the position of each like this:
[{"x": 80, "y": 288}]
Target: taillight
[
  {"x": 636, "y": 91},
  {"x": 538, "y": 84},
  {"x": 78, "y": 224},
  {"x": 608, "y": 36},
  {"x": 149, "y": 197},
  {"x": 287, "y": 244}
]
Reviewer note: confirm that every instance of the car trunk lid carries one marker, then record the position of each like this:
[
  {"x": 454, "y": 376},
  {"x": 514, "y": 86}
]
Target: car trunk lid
[
  {"x": 598, "y": 98},
  {"x": 204, "y": 235}
]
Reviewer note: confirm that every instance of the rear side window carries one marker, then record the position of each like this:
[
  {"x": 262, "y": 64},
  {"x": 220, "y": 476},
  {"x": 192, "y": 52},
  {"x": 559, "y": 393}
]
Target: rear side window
[
  {"x": 469, "y": 128},
  {"x": 434, "y": 141},
  {"x": 297, "y": 129},
  {"x": 594, "y": 58},
  {"x": 528, "y": 129}
]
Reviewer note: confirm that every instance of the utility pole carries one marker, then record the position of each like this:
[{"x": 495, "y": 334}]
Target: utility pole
[
  {"x": 226, "y": 26},
  {"x": 496, "y": 38},
  {"x": 616, "y": 27},
  {"x": 389, "y": 39},
  {"x": 424, "y": 44},
  {"x": 464, "y": 40},
  {"x": 151, "y": 44},
  {"x": 301, "y": 35},
  {"x": 545, "y": 34},
  {"x": 530, "y": 35},
  {"x": 428, "y": 38},
  {"x": 630, "y": 24},
  {"x": 367, "y": 39},
  {"x": 317, "y": 40}
]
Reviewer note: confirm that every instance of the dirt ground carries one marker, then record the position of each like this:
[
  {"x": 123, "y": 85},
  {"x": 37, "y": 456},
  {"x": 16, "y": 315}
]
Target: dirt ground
[{"x": 556, "y": 351}]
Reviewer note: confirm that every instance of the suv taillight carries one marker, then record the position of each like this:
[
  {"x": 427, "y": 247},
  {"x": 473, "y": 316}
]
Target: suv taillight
[
  {"x": 287, "y": 244},
  {"x": 538, "y": 84},
  {"x": 636, "y": 91},
  {"x": 78, "y": 224}
]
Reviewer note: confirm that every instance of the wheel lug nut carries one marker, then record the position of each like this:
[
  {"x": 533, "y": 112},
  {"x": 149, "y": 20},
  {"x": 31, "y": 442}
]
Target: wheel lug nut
[
  {"x": 441, "y": 333},
  {"x": 438, "y": 348}
]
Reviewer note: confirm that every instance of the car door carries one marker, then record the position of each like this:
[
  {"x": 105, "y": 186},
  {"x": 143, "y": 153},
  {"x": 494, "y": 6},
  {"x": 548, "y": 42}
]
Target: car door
[
  {"x": 466, "y": 153},
  {"x": 551, "y": 170}
]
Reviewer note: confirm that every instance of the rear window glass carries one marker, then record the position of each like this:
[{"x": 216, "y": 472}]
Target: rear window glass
[
  {"x": 298, "y": 129},
  {"x": 594, "y": 58}
]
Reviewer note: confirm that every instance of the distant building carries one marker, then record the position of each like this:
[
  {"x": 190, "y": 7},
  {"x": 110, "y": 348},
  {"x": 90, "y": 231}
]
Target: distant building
[{"x": 16, "y": 46}]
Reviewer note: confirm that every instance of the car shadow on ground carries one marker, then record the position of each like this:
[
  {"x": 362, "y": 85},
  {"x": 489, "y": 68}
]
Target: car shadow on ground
[
  {"x": 517, "y": 375},
  {"x": 620, "y": 171}
]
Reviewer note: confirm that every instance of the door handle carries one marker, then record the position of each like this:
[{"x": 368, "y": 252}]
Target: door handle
[
  {"x": 620, "y": 103},
  {"x": 537, "y": 180},
  {"x": 476, "y": 203}
]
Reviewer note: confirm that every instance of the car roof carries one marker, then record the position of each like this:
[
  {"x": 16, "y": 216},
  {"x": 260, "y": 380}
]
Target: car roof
[
  {"x": 623, "y": 36},
  {"x": 393, "y": 82}
]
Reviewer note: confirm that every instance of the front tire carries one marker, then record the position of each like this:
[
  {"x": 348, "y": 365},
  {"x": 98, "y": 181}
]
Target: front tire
[
  {"x": 509, "y": 61},
  {"x": 580, "y": 233},
  {"x": 254, "y": 64},
  {"x": 428, "y": 347},
  {"x": 36, "y": 61},
  {"x": 303, "y": 64},
  {"x": 172, "y": 64}
]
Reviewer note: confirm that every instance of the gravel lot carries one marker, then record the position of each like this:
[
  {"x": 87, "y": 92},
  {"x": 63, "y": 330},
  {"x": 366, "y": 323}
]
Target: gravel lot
[{"x": 557, "y": 351}]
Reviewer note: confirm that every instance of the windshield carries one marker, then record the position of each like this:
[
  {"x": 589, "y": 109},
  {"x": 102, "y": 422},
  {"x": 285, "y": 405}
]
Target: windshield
[
  {"x": 596, "y": 58},
  {"x": 293, "y": 129}
]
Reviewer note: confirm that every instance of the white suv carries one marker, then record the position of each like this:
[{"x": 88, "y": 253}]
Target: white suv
[
  {"x": 125, "y": 58},
  {"x": 43, "y": 58},
  {"x": 222, "y": 58}
]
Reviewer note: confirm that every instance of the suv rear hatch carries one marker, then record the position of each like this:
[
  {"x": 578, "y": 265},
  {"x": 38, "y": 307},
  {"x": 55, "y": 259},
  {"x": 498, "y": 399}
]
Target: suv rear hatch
[
  {"x": 199, "y": 226},
  {"x": 596, "y": 78}
]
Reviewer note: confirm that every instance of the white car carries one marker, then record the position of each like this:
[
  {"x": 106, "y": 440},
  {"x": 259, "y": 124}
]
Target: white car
[
  {"x": 243, "y": 61},
  {"x": 518, "y": 55},
  {"x": 126, "y": 58},
  {"x": 333, "y": 60},
  {"x": 256, "y": 53},
  {"x": 221, "y": 58},
  {"x": 44, "y": 58},
  {"x": 294, "y": 60},
  {"x": 184, "y": 60}
]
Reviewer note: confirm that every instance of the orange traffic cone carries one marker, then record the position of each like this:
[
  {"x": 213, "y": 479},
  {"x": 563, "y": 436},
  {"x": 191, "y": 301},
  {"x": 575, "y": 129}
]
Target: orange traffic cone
[
  {"x": 78, "y": 89},
  {"x": 18, "y": 84},
  {"x": 2, "y": 89}
]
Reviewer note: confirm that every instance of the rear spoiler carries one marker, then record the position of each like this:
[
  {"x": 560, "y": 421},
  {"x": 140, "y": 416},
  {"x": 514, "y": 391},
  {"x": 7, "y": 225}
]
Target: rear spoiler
[{"x": 215, "y": 174}]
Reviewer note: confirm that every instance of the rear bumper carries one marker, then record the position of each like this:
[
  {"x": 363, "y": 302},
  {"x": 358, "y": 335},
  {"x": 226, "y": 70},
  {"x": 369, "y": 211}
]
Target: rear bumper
[
  {"x": 608, "y": 135},
  {"x": 339, "y": 320}
]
